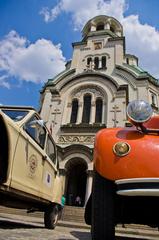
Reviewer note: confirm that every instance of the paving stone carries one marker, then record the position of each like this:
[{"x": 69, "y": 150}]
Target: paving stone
[{"x": 14, "y": 227}]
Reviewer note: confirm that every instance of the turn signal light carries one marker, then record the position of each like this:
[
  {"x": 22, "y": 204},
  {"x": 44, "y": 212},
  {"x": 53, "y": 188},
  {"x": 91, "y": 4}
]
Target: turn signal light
[{"x": 121, "y": 149}]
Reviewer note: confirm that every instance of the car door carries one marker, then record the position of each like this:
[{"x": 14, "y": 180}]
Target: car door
[
  {"x": 27, "y": 173},
  {"x": 50, "y": 168}
]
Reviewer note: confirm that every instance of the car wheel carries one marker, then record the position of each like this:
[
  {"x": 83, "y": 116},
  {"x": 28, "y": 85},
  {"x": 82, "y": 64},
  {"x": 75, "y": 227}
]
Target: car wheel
[
  {"x": 103, "y": 209},
  {"x": 88, "y": 211},
  {"x": 51, "y": 217}
]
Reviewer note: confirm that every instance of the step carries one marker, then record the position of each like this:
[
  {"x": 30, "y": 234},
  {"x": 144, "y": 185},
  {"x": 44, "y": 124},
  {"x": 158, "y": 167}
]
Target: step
[
  {"x": 20, "y": 212},
  {"x": 71, "y": 213}
]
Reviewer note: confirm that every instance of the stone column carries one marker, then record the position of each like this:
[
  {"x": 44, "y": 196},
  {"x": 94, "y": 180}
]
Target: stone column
[
  {"x": 92, "y": 64},
  {"x": 88, "y": 185},
  {"x": 93, "y": 28},
  {"x": 100, "y": 63},
  {"x": 107, "y": 26},
  {"x": 104, "y": 111},
  {"x": 80, "y": 110},
  {"x": 46, "y": 106},
  {"x": 93, "y": 112},
  {"x": 67, "y": 113}
]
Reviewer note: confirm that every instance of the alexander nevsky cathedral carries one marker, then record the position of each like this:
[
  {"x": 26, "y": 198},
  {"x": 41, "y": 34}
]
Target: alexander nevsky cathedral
[{"x": 90, "y": 94}]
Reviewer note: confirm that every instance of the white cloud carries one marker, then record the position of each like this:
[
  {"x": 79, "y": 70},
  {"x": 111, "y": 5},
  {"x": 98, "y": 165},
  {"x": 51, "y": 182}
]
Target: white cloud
[
  {"x": 50, "y": 15},
  {"x": 27, "y": 61},
  {"x": 84, "y": 10},
  {"x": 142, "y": 40},
  {"x": 3, "y": 81}
]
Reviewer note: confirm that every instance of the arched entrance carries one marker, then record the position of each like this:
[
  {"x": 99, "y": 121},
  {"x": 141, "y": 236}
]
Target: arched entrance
[{"x": 76, "y": 181}]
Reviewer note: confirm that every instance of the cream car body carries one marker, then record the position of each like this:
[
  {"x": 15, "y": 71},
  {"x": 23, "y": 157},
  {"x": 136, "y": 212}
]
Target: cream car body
[{"x": 28, "y": 162}]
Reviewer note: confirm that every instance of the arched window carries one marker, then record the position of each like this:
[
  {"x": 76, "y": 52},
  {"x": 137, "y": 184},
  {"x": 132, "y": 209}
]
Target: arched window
[
  {"x": 112, "y": 29},
  {"x": 153, "y": 99},
  {"x": 86, "y": 109},
  {"x": 96, "y": 63},
  {"x": 99, "y": 109},
  {"x": 103, "y": 62},
  {"x": 74, "y": 111},
  {"x": 89, "y": 60},
  {"x": 89, "y": 29},
  {"x": 100, "y": 26}
]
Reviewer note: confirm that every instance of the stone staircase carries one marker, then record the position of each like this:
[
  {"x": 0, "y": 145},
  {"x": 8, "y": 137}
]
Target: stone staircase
[
  {"x": 73, "y": 214},
  {"x": 22, "y": 212}
]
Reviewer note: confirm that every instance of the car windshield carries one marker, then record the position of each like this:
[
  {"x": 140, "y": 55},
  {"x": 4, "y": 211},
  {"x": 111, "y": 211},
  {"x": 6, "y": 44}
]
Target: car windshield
[{"x": 15, "y": 115}]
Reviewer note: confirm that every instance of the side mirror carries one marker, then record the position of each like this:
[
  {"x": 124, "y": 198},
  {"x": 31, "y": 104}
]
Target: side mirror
[{"x": 139, "y": 111}]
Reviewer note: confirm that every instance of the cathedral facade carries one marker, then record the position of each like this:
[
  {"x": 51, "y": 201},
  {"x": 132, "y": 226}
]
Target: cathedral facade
[{"x": 90, "y": 94}]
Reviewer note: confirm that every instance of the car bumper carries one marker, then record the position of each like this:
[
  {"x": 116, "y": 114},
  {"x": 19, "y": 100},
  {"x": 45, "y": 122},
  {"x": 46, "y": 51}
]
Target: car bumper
[{"x": 138, "y": 187}]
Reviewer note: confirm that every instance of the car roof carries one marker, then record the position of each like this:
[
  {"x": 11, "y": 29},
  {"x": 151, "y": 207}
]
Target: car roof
[{"x": 17, "y": 107}]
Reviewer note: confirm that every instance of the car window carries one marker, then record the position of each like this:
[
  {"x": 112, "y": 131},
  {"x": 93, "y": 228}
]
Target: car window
[
  {"x": 15, "y": 115},
  {"x": 50, "y": 149},
  {"x": 36, "y": 131}
]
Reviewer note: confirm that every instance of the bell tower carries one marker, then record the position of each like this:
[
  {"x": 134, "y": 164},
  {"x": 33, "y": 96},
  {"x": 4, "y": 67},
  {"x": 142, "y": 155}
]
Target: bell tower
[{"x": 102, "y": 46}]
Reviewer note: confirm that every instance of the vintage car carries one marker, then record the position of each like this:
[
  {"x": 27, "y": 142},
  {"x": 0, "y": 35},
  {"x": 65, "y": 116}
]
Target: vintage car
[
  {"x": 29, "y": 176},
  {"x": 126, "y": 174}
]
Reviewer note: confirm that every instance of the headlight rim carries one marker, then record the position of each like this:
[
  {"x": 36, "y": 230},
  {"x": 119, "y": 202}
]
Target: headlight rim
[
  {"x": 132, "y": 119},
  {"x": 121, "y": 154}
]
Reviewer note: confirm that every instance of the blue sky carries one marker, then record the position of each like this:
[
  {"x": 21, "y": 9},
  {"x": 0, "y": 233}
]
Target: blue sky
[{"x": 36, "y": 37}]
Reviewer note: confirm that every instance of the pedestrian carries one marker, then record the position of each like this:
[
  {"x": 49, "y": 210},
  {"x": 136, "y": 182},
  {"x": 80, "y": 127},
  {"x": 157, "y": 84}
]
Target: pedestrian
[
  {"x": 63, "y": 200},
  {"x": 78, "y": 201}
]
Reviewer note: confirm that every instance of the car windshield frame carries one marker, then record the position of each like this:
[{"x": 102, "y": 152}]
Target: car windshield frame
[{"x": 15, "y": 114}]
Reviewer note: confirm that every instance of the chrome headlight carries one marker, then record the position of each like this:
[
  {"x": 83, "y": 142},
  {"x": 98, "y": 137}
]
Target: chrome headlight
[
  {"x": 121, "y": 149},
  {"x": 139, "y": 111}
]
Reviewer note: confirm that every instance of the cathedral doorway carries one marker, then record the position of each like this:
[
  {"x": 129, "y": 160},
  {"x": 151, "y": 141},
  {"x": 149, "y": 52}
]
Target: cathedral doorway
[{"x": 76, "y": 182}]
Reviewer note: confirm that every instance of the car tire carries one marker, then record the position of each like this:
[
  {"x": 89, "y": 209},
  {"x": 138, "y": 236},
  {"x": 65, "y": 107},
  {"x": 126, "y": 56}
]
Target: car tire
[
  {"x": 88, "y": 211},
  {"x": 51, "y": 217},
  {"x": 103, "y": 209}
]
